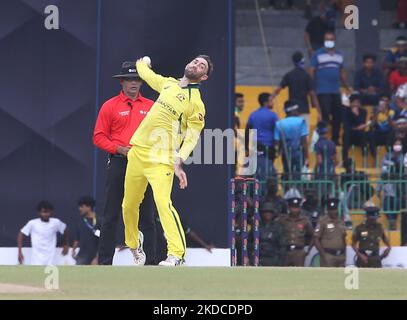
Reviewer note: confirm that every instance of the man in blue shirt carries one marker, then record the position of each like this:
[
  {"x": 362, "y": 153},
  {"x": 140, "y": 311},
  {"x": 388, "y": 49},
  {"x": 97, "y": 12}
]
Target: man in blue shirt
[
  {"x": 291, "y": 136},
  {"x": 392, "y": 56},
  {"x": 263, "y": 120},
  {"x": 327, "y": 70},
  {"x": 369, "y": 81}
]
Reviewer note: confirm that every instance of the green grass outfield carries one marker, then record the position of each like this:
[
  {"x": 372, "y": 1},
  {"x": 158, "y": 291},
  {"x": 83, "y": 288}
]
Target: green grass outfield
[{"x": 100, "y": 282}]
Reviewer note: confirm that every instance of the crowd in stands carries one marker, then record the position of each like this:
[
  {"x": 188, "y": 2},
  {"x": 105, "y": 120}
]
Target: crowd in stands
[{"x": 368, "y": 115}]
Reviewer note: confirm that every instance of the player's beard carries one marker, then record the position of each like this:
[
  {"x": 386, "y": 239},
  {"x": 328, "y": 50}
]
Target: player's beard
[{"x": 191, "y": 75}]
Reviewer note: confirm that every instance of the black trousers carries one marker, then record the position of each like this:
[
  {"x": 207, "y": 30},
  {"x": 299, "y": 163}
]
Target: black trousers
[
  {"x": 353, "y": 138},
  {"x": 332, "y": 112},
  {"x": 116, "y": 171}
]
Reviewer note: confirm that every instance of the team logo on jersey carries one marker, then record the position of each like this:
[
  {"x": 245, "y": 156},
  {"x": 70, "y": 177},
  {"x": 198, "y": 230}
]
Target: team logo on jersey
[
  {"x": 200, "y": 116},
  {"x": 180, "y": 97}
]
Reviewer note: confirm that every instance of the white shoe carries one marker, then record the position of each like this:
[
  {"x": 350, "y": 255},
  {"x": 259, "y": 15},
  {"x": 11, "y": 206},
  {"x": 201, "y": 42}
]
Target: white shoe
[
  {"x": 138, "y": 254},
  {"x": 171, "y": 261}
]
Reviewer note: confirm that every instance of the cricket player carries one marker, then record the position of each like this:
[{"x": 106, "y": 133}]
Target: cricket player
[{"x": 160, "y": 145}]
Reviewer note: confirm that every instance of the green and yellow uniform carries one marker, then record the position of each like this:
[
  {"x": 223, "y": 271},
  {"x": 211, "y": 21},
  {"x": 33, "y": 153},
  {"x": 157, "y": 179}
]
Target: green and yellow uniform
[{"x": 171, "y": 129}]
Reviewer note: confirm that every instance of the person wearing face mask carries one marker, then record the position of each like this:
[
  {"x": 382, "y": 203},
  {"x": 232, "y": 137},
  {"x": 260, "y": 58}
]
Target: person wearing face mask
[
  {"x": 392, "y": 169},
  {"x": 300, "y": 87},
  {"x": 327, "y": 71}
]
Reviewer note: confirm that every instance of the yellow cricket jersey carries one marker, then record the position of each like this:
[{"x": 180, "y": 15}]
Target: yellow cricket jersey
[{"x": 175, "y": 121}]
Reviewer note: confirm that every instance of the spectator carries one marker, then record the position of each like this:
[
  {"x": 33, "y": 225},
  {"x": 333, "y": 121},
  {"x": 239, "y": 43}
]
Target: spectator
[
  {"x": 392, "y": 56},
  {"x": 327, "y": 69},
  {"x": 263, "y": 120},
  {"x": 239, "y": 105},
  {"x": 279, "y": 204},
  {"x": 291, "y": 136},
  {"x": 399, "y": 132},
  {"x": 316, "y": 29},
  {"x": 300, "y": 87},
  {"x": 88, "y": 232},
  {"x": 272, "y": 240},
  {"x": 401, "y": 15},
  {"x": 392, "y": 169},
  {"x": 382, "y": 126},
  {"x": 310, "y": 208},
  {"x": 325, "y": 150},
  {"x": 401, "y": 99},
  {"x": 355, "y": 125},
  {"x": 369, "y": 81},
  {"x": 43, "y": 232},
  {"x": 398, "y": 77},
  {"x": 298, "y": 230}
]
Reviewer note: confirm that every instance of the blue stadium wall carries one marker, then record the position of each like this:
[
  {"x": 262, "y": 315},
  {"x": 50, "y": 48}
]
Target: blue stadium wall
[{"x": 52, "y": 83}]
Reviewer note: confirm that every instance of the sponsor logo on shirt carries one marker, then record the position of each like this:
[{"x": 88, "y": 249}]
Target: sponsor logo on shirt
[
  {"x": 167, "y": 106},
  {"x": 200, "y": 116},
  {"x": 124, "y": 113},
  {"x": 143, "y": 112}
]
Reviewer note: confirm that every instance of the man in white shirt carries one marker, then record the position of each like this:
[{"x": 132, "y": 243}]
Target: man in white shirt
[
  {"x": 43, "y": 232},
  {"x": 401, "y": 98}
]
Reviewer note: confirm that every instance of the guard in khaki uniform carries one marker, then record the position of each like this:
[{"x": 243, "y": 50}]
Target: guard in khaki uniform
[
  {"x": 366, "y": 240},
  {"x": 298, "y": 230},
  {"x": 330, "y": 237}
]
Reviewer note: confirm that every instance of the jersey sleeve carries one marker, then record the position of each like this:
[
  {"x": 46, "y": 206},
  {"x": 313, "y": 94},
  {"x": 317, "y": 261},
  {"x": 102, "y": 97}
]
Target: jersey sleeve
[
  {"x": 304, "y": 128},
  {"x": 26, "y": 230},
  {"x": 314, "y": 60},
  {"x": 60, "y": 226},
  {"x": 195, "y": 124},
  {"x": 277, "y": 131},
  {"x": 154, "y": 80}
]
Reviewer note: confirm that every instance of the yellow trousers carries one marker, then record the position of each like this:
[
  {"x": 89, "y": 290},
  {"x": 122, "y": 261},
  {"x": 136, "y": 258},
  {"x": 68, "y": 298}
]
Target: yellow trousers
[{"x": 141, "y": 171}]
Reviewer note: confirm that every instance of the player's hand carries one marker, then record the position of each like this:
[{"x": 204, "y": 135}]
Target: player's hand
[
  {"x": 364, "y": 258},
  {"x": 65, "y": 250},
  {"x": 180, "y": 173},
  {"x": 20, "y": 257},
  {"x": 122, "y": 150},
  {"x": 209, "y": 247}
]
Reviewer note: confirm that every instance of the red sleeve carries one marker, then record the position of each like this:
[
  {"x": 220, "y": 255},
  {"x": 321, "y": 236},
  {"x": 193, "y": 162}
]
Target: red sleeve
[
  {"x": 393, "y": 78},
  {"x": 101, "y": 134}
]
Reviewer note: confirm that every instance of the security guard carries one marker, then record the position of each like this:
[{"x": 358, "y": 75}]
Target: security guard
[
  {"x": 368, "y": 236},
  {"x": 330, "y": 237},
  {"x": 298, "y": 230},
  {"x": 272, "y": 240}
]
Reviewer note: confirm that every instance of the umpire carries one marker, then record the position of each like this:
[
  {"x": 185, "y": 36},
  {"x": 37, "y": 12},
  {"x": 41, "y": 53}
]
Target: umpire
[
  {"x": 330, "y": 237},
  {"x": 118, "y": 119}
]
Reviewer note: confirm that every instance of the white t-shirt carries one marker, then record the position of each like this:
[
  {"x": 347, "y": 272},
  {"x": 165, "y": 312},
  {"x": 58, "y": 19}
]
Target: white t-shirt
[
  {"x": 43, "y": 239},
  {"x": 402, "y": 92}
]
